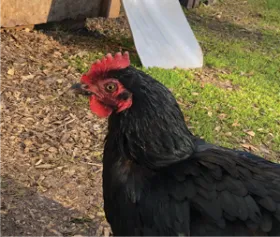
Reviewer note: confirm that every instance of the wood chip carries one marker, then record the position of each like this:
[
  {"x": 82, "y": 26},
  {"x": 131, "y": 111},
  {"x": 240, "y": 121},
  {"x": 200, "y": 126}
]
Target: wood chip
[
  {"x": 11, "y": 71},
  {"x": 45, "y": 166}
]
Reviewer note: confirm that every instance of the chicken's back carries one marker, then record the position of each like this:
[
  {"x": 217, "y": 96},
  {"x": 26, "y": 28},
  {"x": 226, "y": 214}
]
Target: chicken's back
[{"x": 214, "y": 192}]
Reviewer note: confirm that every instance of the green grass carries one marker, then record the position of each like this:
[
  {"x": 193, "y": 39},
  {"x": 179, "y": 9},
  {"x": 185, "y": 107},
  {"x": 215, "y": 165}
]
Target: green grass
[
  {"x": 273, "y": 4},
  {"x": 269, "y": 10},
  {"x": 248, "y": 60}
]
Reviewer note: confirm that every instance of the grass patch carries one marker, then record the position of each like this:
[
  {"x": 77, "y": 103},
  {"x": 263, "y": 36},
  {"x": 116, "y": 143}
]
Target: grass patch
[
  {"x": 268, "y": 10},
  {"x": 249, "y": 60}
]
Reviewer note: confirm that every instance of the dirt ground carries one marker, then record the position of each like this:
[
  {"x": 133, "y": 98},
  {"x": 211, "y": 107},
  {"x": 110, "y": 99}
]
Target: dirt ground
[{"x": 51, "y": 143}]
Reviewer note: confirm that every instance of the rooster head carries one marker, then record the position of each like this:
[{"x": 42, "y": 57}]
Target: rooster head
[{"x": 106, "y": 94}]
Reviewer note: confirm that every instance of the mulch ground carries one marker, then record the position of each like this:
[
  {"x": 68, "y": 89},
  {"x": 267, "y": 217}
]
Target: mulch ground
[{"x": 51, "y": 144}]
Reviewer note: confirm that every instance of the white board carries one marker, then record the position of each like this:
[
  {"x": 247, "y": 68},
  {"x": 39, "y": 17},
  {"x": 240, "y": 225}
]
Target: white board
[{"x": 162, "y": 34}]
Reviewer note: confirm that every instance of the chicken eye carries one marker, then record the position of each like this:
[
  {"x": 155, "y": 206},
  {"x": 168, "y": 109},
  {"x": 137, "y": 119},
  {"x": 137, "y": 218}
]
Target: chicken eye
[{"x": 110, "y": 87}]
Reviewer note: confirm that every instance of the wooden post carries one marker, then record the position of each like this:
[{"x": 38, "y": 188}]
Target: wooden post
[
  {"x": 196, "y": 3},
  {"x": 189, "y": 4},
  {"x": 110, "y": 8}
]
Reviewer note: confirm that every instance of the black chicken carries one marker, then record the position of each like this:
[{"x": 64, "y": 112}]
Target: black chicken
[{"x": 158, "y": 179}]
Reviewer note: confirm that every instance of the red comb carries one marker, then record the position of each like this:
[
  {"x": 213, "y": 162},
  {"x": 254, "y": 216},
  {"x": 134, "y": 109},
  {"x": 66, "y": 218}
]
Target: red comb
[{"x": 108, "y": 63}]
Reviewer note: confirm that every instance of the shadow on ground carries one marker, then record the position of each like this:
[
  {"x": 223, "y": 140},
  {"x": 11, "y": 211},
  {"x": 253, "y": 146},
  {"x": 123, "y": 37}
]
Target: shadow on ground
[
  {"x": 112, "y": 35},
  {"x": 25, "y": 212}
]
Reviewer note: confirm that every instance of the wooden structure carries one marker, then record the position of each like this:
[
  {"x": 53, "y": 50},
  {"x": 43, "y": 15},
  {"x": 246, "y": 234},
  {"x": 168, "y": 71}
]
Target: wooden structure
[
  {"x": 16, "y": 13},
  {"x": 195, "y": 3},
  {"x": 189, "y": 3},
  {"x": 110, "y": 8}
]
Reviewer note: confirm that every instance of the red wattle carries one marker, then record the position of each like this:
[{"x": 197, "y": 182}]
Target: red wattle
[{"x": 98, "y": 108}]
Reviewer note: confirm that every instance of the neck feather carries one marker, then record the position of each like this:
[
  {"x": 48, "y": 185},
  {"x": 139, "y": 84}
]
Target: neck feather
[{"x": 152, "y": 131}]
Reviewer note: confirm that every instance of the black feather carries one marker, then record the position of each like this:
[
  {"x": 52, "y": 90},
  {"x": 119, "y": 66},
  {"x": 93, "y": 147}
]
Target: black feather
[
  {"x": 242, "y": 209},
  {"x": 268, "y": 203},
  {"x": 254, "y": 210},
  {"x": 266, "y": 223},
  {"x": 228, "y": 203},
  {"x": 160, "y": 180},
  {"x": 190, "y": 188},
  {"x": 255, "y": 187},
  {"x": 235, "y": 186}
]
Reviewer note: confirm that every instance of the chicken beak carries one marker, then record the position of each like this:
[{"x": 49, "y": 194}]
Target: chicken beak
[{"x": 79, "y": 88}]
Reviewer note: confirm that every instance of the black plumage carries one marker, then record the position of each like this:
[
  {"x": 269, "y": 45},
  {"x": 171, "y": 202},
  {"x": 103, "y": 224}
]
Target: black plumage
[{"x": 158, "y": 179}]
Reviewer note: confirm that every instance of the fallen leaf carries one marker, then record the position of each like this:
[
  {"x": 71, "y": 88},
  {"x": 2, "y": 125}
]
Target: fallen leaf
[
  {"x": 44, "y": 166},
  {"x": 228, "y": 134},
  {"x": 57, "y": 54},
  {"x": 249, "y": 147},
  {"x": 59, "y": 81},
  {"x": 264, "y": 150},
  {"x": 210, "y": 113},
  {"x": 11, "y": 71},
  {"x": 251, "y": 133},
  {"x": 222, "y": 116},
  {"x": 2, "y": 106},
  {"x": 27, "y": 142},
  {"x": 38, "y": 162},
  {"x": 235, "y": 124},
  {"x": 271, "y": 135},
  {"x": 42, "y": 97},
  {"x": 17, "y": 95},
  {"x": 218, "y": 128},
  {"x": 218, "y": 16},
  {"x": 28, "y": 77},
  {"x": 65, "y": 137},
  {"x": 52, "y": 150},
  {"x": 57, "y": 233},
  {"x": 97, "y": 153}
]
